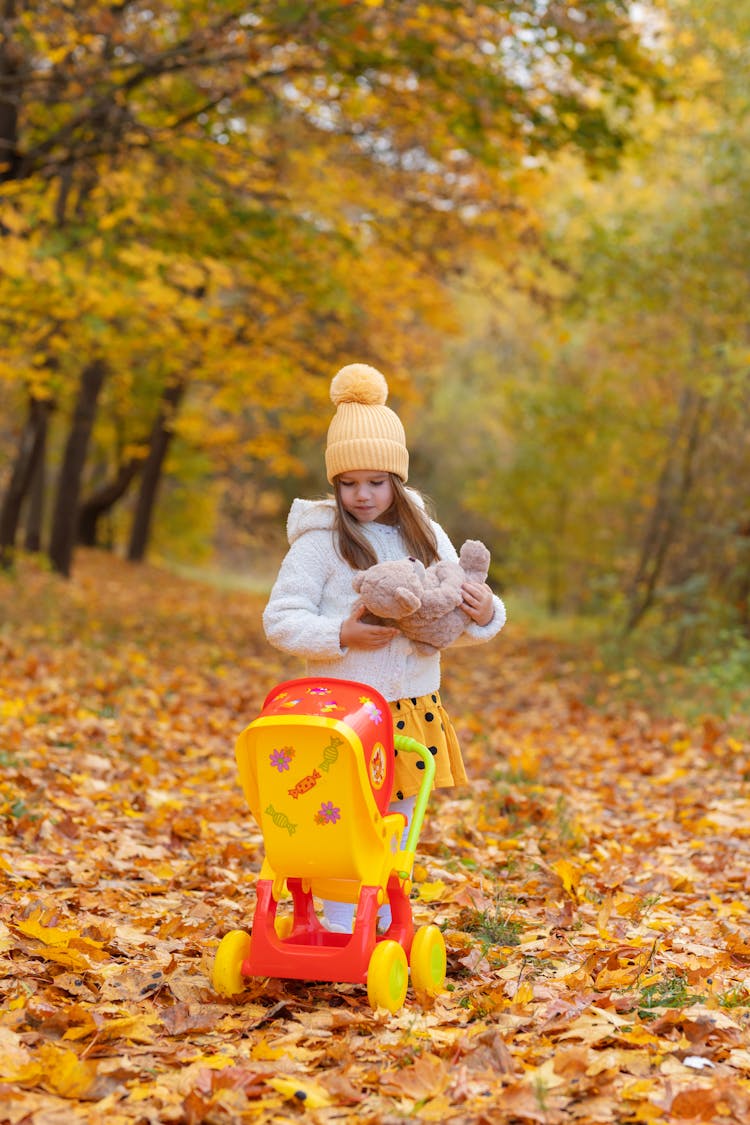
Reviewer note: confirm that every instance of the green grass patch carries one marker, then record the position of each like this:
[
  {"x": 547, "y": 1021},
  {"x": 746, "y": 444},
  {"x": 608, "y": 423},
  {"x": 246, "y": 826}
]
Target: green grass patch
[
  {"x": 734, "y": 998},
  {"x": 493, "y": 927},
  {"x": 671, "y": 992},
  {"x": 684, "y": 665}
]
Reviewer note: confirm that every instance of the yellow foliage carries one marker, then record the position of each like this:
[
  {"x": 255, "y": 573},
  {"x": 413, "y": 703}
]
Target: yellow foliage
[
  {"x": 569, "y": 874},
  {"x": 304, "y": 1091},
  {"x": 432, "y": 892},
  {"x": 48, "y": 935},
  {"x": 262, "y": 1050},
  {"x": 58, "y": 1070}
]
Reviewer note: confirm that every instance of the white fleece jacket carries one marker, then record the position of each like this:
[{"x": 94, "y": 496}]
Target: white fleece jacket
[{"x": 313, "y": 595}]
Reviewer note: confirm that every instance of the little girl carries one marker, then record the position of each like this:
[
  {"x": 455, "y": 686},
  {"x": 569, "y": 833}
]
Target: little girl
[{"x": 372, "y": 517}]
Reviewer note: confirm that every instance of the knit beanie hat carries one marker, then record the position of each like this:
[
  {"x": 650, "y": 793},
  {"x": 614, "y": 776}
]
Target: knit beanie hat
[{"x": 364, "y": 433}]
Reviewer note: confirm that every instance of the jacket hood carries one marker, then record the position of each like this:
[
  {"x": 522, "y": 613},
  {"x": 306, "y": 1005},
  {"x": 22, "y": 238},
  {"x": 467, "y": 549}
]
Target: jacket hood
[{"x": 310, "y": 515}]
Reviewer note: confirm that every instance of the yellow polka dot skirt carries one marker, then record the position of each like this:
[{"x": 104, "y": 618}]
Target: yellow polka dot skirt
[{"x": 425, "y": 719}]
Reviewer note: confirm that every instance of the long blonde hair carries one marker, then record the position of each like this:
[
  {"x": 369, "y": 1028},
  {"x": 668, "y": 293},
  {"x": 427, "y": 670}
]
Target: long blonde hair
[{"x": 416, "y": 529}]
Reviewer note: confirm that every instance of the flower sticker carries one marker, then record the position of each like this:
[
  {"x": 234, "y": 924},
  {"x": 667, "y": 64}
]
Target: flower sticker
[
  {"x": 327, "y": 813},
  {"x": 374, "y": 713},
  {"x": 282, "y": 759},
  {"x": 319, "y": 691}
]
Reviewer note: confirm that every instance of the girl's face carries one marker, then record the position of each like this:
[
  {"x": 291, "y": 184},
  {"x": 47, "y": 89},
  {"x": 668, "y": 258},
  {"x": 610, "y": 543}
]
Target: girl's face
[{"x": 366, "y": 495}]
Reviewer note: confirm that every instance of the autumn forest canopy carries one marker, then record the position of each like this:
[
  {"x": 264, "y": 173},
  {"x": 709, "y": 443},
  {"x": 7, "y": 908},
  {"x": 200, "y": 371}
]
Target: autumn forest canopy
[{"x": 531, "y": 216}]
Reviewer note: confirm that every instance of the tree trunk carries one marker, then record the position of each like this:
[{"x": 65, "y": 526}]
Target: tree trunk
[
  {"x": 103, "y": 500},
  {"x": 675, "y": 482},
  {"x": 738, "y": 582},
  {"x": 65, "y": 517},
  {"x": 555, "y": 567},
  {"x": 37, "y": 494},
  {"x": 29, "y": 451},
  {"x": 11, "y": 59},
  {"x": 161, "y": 436}
]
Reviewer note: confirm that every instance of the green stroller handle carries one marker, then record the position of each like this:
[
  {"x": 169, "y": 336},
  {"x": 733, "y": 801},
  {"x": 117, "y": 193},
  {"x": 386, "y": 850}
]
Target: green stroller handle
[{"x": 411, "y": 746}]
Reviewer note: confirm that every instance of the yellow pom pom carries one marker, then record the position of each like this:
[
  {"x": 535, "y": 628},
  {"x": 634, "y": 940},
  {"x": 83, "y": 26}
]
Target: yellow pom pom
[{"x": 358, "y": 382}]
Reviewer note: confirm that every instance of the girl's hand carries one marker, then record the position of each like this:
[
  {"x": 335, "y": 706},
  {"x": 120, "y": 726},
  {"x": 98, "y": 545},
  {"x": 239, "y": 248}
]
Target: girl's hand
[
  {"x": 478, "y": 602},
  {"x": 358, "y": 634}
]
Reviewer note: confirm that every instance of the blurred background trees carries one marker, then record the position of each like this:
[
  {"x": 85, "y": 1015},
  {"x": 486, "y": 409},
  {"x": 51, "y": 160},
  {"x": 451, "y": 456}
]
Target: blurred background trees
[{"x": 532, "y": 217}]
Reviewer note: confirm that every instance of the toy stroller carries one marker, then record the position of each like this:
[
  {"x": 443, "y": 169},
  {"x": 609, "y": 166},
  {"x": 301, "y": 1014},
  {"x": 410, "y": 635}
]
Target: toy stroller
[{"x": 317, "y": 770}]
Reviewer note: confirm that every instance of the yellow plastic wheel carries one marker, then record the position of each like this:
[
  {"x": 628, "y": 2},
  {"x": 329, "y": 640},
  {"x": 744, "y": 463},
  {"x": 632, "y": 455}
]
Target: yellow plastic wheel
[
  {"x": 226, "y": 976},
  {"x": 428, "y": 961},
  {"x": 284, "y": 926},
  {"x": 387, "y": 976}
]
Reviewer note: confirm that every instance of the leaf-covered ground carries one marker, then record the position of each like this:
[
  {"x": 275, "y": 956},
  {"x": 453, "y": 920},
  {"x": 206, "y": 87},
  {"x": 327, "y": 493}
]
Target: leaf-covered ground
[{"x": 593, "y": 886}]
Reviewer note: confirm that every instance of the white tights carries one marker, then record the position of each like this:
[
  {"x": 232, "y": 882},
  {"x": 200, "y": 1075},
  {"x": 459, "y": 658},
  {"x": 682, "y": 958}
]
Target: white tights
[{"x": 339, "y": 916}]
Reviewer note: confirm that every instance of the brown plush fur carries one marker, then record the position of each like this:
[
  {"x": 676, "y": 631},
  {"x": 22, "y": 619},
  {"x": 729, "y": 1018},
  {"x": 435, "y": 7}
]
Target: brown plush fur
[{"x": 423, "y": 601}]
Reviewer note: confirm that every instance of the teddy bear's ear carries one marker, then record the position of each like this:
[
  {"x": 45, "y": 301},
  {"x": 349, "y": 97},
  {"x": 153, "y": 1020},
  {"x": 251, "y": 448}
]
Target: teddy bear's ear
[{"x": 357, "y": 581}]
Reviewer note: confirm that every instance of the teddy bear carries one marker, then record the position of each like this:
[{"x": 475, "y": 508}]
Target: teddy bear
[{"x": 423, "y": 602}]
